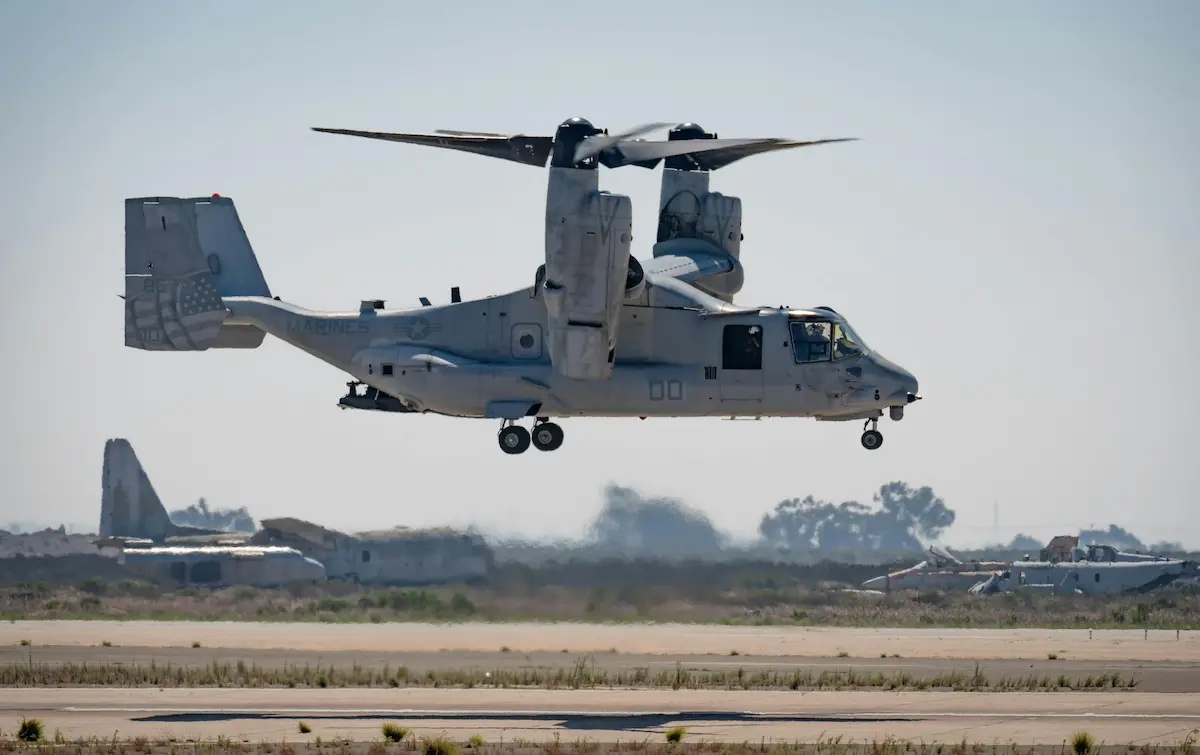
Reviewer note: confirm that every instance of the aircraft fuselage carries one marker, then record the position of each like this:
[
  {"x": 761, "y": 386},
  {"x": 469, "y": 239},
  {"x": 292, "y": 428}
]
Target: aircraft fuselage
[{"x": 680, "y": 352}]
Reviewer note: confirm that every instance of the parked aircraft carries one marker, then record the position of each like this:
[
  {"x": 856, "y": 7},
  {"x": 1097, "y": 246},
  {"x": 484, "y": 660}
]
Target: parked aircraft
[
  {"x": 136, "y": 529},
  {"x": 941, "y": 570},
  {"x": 1088, "y": 577},
  {"x": 1062, "y": 564},
  {"x": 551, "y": 350}
]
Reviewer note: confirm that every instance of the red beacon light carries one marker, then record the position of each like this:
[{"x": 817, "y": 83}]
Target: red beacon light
[{"x": 216, "y": 195}]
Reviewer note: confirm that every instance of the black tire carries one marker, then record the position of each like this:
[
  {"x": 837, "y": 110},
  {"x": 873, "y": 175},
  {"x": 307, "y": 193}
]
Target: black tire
[
  {"x": 514, "y": 440},
  {"x": 547, "y": 436},
  {"x": 872, "y": 439}
]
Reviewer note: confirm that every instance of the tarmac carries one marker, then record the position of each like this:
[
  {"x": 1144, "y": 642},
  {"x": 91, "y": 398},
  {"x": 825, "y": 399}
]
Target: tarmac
[{"x": 256, "y": 715}]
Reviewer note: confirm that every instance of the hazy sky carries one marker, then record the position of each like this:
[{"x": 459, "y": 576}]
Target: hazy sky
[{"x": 1018, "y": 227}]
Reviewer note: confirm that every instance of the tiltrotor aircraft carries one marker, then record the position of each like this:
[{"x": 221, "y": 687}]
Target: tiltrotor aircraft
[{"x": 599, "y": 333}]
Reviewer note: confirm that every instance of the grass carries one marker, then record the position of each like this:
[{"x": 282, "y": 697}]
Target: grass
[
  {"x": 584, "y": 673},
  {"x": 1081, "y": 743},
  {"x": 30, "y": 730},
  {"x": 394, "y": 732},
  {"x": 768, "y": 595}
]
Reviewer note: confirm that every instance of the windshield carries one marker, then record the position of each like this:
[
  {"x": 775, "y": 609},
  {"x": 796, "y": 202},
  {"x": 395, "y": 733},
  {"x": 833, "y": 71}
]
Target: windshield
[
  {"x": 823, "y": 340},
  {"x": 846, "y": 342}
]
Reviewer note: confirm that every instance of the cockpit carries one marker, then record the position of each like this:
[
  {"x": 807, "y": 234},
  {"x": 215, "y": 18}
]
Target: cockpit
[{"x": 822, "y": 335}]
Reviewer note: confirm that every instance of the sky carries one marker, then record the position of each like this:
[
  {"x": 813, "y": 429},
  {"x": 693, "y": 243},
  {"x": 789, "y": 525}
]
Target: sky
[{"x": 1018, "y": 226}]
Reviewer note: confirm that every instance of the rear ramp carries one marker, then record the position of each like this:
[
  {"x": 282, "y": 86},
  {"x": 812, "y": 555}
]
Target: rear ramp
[{"x": 182, "y": 256}]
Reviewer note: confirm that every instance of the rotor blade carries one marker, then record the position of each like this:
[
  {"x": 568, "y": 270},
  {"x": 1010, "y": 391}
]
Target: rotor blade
[
  {"x": 638, "y": 151},
  {"x": 724, "y": 157},
  {"x": 528, "y": 150},
  {"x": 452, "y": 132},
  {"x": 594, "y": 144},
  {"x": 707, "y": 154}
]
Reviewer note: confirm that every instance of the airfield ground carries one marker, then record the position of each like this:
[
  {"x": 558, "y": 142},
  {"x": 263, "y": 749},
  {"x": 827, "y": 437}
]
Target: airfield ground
[{"x": 1163, "y": 707}]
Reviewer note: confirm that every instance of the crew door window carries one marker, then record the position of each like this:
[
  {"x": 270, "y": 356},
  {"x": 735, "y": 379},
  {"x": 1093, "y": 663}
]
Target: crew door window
[{"x": 741, "y": 347}]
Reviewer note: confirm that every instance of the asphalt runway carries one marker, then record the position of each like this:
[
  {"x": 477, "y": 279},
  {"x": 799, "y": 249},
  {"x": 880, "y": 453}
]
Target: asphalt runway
[
  {"x": 647, "y": 639},
  {"x": 257, "y": 715}
]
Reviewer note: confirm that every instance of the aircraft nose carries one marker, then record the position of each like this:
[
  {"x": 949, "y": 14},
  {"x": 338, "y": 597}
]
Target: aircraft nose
[{"x": 904, "y": 380}]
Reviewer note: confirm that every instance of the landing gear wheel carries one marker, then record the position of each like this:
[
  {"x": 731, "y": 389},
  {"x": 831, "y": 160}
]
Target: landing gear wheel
[
  {"x": 872, "y": 439},
  {"x": 514, "y": 439},
  {"x": 547, "y": 436}
]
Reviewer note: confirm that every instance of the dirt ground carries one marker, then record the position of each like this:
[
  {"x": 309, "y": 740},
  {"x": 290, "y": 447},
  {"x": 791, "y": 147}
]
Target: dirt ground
[{"x": 650, "y": 639}]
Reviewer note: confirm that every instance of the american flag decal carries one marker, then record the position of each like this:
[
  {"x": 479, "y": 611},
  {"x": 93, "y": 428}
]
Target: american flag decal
[{"x": 178, "y": 315}]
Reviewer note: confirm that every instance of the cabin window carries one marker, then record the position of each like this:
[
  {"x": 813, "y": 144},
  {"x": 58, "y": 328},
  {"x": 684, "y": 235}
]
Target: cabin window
[
  {"x": 1097, "y": 576},
  {"x": 206, "y": 571},
  {"x": 810, "y": 341},
  {"x": 741, "y": 347},
  {"x": 366, "y": 556},
  {"x": 387, "y": 369},
  {"x": 177, "y": 571}
]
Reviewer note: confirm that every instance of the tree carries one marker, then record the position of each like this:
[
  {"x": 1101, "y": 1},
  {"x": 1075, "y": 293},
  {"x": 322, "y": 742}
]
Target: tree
[
  {"x": 904, "y": 518},
  {"x": 662, "y": 526},
  {"x": 228, "y": 520},
  {"x": 1117, "y": 537},
  {"x": 1023, "y": 542}
]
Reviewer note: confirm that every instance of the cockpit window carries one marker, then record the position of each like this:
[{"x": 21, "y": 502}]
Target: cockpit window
[
  {"x": 810, "y": 340},
  {"x": 846, "y": 342}
]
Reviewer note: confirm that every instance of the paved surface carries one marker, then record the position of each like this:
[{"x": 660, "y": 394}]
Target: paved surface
[
  {"x": 608, "y": 716},
  {"x": 1152, "y": 676},
  {"x": 682, "y": 639}
]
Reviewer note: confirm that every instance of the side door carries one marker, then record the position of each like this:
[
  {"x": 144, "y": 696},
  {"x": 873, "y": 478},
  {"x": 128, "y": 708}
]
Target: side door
[{"x": 741, "y": 375}]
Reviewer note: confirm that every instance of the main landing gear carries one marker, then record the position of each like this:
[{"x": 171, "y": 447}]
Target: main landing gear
[
  {"x": 514, "y": 439},
  {"x": 872, "y": 439}
]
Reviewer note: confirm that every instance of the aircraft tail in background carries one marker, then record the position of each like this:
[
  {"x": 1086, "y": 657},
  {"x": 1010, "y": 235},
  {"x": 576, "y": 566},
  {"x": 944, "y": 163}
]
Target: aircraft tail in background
[{"x": 129, "y": 506}]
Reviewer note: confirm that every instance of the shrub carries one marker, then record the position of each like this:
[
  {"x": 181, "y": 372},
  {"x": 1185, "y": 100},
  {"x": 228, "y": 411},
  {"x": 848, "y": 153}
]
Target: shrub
[
  {"x": 1082, "y": 743},
  {"x": 394, "y": 733},
  {"x": 30, "y": 731}
]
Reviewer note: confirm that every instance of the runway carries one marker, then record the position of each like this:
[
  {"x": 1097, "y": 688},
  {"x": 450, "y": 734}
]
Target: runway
[{"x": 255, "y": 715}]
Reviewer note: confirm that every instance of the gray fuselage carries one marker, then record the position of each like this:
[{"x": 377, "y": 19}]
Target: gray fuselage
[{"x": 680, "y": 352}]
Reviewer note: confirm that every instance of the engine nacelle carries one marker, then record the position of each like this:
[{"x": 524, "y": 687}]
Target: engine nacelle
[
  {"x": 588, "y": 237},
  {"x": 687, "y": 209}
]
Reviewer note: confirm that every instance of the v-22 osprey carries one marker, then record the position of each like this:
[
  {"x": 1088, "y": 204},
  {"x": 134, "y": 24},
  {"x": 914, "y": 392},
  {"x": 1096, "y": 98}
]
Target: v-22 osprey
[{"x": 599, "y": 333}]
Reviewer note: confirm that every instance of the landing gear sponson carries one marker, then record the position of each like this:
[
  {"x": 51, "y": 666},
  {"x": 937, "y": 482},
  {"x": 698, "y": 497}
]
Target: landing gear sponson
[{"x": 514, "y": 439}]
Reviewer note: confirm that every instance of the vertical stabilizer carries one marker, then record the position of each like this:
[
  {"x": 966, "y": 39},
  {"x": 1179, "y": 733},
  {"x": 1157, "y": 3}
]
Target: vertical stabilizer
[
  {"x": 182, "y": 256},
  {"x": 129, "y": 507}
]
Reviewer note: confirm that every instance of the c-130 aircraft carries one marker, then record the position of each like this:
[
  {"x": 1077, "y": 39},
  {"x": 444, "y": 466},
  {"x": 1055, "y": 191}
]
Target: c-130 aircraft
[{"x": 598, "y": 334}]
